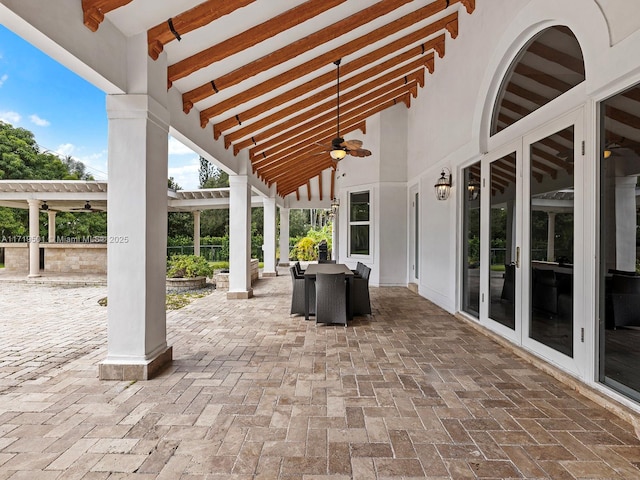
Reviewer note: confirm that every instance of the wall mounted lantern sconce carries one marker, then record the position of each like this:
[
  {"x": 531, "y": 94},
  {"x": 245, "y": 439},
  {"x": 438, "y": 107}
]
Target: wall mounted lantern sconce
[{"x": 443, "y": 185}]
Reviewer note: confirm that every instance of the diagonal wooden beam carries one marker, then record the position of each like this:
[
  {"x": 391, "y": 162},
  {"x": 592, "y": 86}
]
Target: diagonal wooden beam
[
  {"x": 93, "y": 11},
  {"x": 250, "y": 37},
  {"x": 564, "y": 165},
  {"x": 308, "y": 190},
  {"x": 437, "y": 44},
  {"x": 198, "y": 16},
  {"x": 296, "y": 48},
  {"x": 302, "y": 106},
  {"x": 206, "y": 90},
  {"x": 307, "y": 169},
  {"x": 332, "y": 193},
  {"x": 330, "y": 107},
  {"x": 266, "y": 165},
  {"x": 320, "y": 185},
  {"x": 282, "y": 163},
  {"x": 328, "y": 120}
]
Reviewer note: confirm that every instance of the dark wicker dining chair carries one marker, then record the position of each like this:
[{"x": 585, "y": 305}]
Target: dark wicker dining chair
[
  {"x": 360, "y": 295},
  {"x": 331, "y": 298},
  {"x": 297, "y": 294}
]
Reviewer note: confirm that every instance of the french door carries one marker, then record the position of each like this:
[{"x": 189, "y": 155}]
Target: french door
[{"x": 530, "y": 256}]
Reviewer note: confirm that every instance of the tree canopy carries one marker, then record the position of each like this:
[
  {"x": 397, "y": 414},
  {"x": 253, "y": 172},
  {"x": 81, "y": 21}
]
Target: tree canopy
[{"x": 21, "y": 158}]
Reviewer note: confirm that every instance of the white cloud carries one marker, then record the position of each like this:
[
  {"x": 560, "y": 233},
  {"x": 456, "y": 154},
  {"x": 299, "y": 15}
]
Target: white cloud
[
  {"x": 3, "y": 79},
  {"x": 65, "y": 149},
  {"x": 96, "y": 164},
  {"x": 10, "y": 117},
  {"x": 41, "y": 122},
  {"x": 185, "y": 174},
  {"x": 177, "y": 148}
]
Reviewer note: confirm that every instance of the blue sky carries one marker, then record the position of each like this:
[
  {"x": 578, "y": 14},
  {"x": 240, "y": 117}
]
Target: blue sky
[{"x": 65, "y": 113}]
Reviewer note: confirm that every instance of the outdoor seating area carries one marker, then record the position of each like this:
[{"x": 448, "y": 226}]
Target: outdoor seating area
[
  {"x": 329, "y": 291},
  {"x": 255, "y": 393}
]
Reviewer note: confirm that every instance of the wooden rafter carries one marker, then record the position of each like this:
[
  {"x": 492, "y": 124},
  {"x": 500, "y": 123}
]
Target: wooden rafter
[
  {"x": 266, "y": 166},
  {"x": 308, "y": 169},
  {"x": 318, "y": 116},
  {"x": 288, "y": 165},
  {"x": 437, "y": 44},
  {"x": 327, "y": 121},
  {"x": 542, "y": 78},
  {"x": 332, "y": 191},
  {"x": 299, "y": 47},
  {"x": 301, "y": 106},
  {"x": 206, "y": 90},
  {"x": 308, "y": 190},
  {"x": 198, "y": 16},
  {"x": 93, "y": 11},
  {"x": 548, "y": 157},
  {"x": 320, "y": 185},
  {"x": 250, "y": 37}
]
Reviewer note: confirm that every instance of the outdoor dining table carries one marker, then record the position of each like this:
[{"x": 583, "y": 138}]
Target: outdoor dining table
[{"x": 309, "y": 283}]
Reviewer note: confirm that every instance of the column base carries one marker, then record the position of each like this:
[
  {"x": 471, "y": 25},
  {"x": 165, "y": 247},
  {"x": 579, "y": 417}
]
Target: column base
[
  {"x": 240, "y": 295},
  {"x": 131, "y": 372},
  {"x": 284, "y": 264},
  {"x": 269, "y": 274},
  {"x": 33, "y": 275}
]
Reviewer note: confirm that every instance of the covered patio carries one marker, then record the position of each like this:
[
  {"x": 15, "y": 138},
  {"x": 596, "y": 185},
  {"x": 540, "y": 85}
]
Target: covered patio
[{"x": 253, "y": 393}]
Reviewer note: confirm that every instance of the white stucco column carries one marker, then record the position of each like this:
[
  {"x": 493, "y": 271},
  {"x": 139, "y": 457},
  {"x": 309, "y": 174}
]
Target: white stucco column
[
  {"x": 284, "y": 237},
  {"x": 137, "y": 249},
  {"x": 52, "y": 226},
  {"x": 269, "y": 237},
  {"x": 34, "y": 238},
  {"x": 626, "y": 223},
  {"x": 551, "y": 236},
  {"x": 196, "y": 233},
  {"x": 239, "y": 237}
]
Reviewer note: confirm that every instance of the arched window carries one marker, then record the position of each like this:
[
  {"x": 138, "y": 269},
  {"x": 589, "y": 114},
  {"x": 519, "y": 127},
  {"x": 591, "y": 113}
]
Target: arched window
[{"x": 550, "y": 64}]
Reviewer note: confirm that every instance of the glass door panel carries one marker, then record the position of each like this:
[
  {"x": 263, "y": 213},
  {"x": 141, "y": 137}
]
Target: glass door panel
[
  {"x": 620, "y": 245},
  {"x": 471, "y": 242},
  {"x": 504, "y": 253},
  {"x": 551, "y": 240}
]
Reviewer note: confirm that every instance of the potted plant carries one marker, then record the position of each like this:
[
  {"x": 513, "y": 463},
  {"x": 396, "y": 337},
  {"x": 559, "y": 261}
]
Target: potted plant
[{"x": 187, "y": 272}]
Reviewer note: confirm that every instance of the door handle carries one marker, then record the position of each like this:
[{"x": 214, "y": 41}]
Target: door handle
[{"x": 517, "y": 257}]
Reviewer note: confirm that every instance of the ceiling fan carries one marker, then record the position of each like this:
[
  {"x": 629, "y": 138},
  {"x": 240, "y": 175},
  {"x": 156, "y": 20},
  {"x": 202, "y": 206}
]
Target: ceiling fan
[
  {"x": 340, "y": 147},
  {"x": 87, "y": 208}
]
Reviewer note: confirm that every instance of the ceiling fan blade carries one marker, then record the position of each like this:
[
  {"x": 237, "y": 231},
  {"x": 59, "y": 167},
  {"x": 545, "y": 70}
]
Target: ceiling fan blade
[
  {"x": 352, "y": 144},
  {"x": 360, "y": 152}
]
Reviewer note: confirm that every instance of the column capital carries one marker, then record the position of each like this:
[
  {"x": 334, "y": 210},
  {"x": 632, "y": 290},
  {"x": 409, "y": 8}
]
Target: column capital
[{"x": 137, "y": 106}]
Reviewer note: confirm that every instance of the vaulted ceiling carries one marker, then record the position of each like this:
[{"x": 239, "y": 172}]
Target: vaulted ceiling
[{"x": 261, "y": 75}]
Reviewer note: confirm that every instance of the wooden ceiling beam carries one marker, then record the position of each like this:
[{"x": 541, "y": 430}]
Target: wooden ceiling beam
[
  {"x": 248, "y": 38},
  {"x": 308, "y": 190},
  {"x": 301, "y": 106},
  {"x": 285, "y": 165},
  {"x": 522, "y": 92},
  {"x": 622, "y": 117},
  {"x": 269, "y": 165},
  {"x": 307, "y": 169},
  {"x": 332, "y": 192},
  {"x": 93, "y": 11},
  {"x": 301, "y": 46},
  {"x": 206, "y": 90},
  {"x": 268, "y": 138},
  {"x": 320, "y": 186},
  {"x": 192, "y": 19},
  {"x": 327, "y": 121},
  {"x": 437, "y": 44}
]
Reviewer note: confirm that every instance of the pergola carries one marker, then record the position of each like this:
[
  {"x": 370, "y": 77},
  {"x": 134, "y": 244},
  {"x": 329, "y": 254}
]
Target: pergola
[{"x": 79, "y": 196}]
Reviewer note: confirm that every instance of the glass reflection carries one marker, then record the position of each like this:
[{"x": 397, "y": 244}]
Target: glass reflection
[{"x": 471, "y": 245}]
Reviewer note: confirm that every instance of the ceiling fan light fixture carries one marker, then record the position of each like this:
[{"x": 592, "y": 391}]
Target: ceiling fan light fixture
[{"x": 338, "y": 154}]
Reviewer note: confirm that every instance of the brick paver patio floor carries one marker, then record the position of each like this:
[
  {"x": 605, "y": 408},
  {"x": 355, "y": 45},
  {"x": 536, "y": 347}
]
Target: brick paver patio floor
[{"x": 254, "y": 393}]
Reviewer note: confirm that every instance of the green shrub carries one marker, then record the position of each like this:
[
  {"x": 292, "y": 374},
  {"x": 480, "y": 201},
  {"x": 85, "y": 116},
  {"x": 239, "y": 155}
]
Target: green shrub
[
  {"x": 188, "y": 266},
  {"x": 305, "y": 250}
]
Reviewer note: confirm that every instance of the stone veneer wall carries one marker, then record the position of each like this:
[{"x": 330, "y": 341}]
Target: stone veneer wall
[
  {"x": 75, "y": 258},
  {"x": 16, "y": 257},
  {"x": 222, "y": 279}
]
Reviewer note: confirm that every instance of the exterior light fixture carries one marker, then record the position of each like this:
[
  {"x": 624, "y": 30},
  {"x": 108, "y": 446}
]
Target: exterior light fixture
[
  {"x": 443, "y": 185},
  {"x": 473, "y": 188},
  {"x": 338, "y": 154},
  {"x": 335, "y": 204}
]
